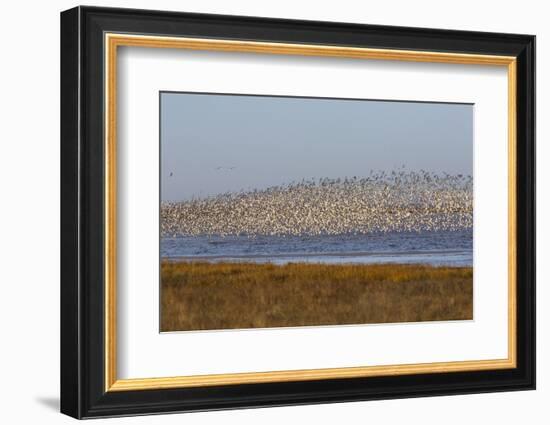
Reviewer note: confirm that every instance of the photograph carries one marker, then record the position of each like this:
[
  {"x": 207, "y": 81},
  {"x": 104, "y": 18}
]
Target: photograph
[{"x": 285, "y": 211}]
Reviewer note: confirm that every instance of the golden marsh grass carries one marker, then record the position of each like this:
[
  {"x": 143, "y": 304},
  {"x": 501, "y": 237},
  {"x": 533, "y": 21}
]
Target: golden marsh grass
[{"x": 203, "y": 295}]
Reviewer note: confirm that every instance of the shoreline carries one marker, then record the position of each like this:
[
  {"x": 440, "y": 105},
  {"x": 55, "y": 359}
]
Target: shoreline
[
  {"x": 316, "y": 254},
  {"x": 448, "y": 258}
]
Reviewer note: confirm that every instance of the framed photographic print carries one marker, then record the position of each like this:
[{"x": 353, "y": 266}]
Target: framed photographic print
[{"x": 261, "y": 212}]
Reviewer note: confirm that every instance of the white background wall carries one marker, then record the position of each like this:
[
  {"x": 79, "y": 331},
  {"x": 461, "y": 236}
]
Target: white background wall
[{"x": 29, "y": 209}]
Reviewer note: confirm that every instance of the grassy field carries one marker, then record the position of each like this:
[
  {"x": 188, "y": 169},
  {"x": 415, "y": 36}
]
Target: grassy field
[{"x": 201, "y": 295}]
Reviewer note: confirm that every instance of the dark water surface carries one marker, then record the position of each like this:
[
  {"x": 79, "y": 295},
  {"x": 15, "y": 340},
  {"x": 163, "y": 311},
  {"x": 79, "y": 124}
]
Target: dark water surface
[{"x": 450, "y": 248}]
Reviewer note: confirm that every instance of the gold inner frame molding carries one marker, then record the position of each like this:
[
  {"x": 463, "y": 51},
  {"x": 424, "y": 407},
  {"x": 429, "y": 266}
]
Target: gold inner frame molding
[{"x": 113, "y": 41}]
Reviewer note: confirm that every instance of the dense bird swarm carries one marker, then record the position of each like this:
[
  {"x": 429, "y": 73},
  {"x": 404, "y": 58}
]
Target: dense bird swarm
[{"x": 381, "y": 202}]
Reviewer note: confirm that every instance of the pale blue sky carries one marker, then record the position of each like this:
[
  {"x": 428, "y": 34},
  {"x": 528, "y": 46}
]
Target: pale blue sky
[{"x": 212, "y": 144}]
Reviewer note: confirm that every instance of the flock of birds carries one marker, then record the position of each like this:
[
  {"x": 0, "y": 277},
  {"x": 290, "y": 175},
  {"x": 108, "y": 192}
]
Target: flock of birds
[{"x": 380, "y": 202}]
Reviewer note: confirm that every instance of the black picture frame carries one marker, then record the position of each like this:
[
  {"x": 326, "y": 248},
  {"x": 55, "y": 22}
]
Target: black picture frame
[{"x": 83, "y": 392}]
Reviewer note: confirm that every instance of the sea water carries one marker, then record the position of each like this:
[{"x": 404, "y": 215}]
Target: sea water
[{"x": 439, "y": 248}]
